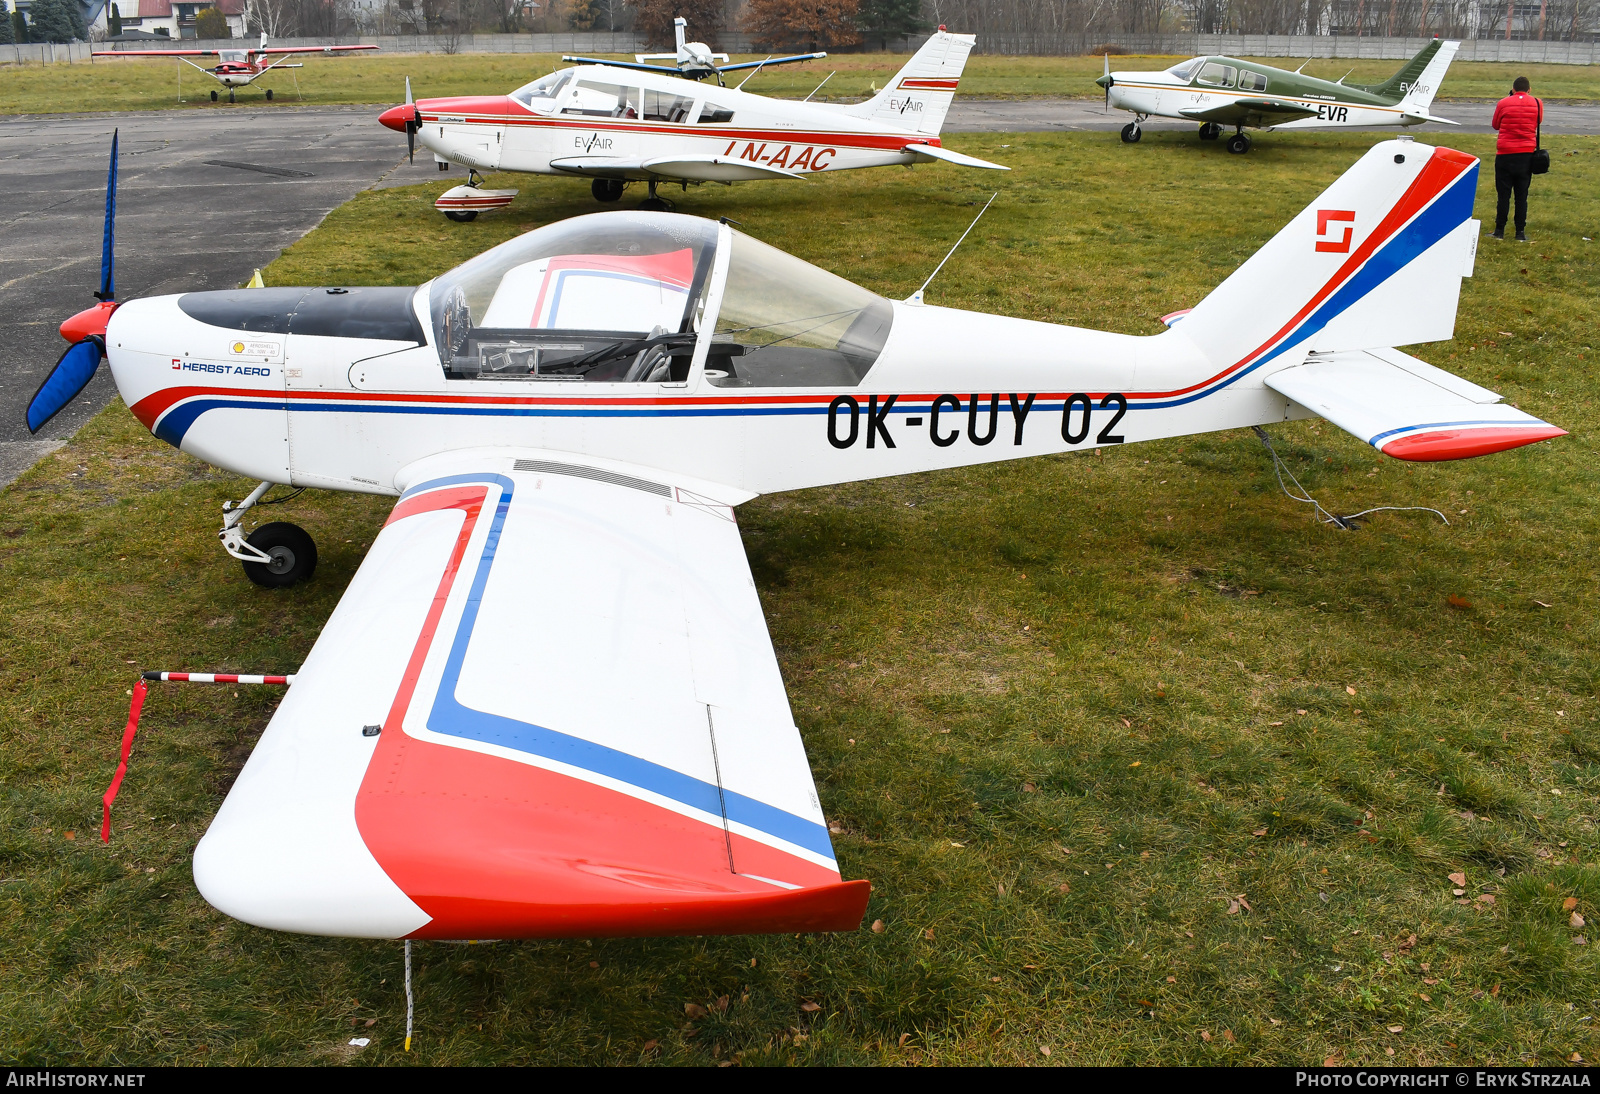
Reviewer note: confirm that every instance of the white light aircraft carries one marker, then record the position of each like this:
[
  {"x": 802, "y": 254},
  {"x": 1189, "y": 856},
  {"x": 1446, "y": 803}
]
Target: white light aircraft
[
  {"x": 619, "y": 123},
  {"x": 236, "y": 68},
  {"x": 547, "y": 704},
  {"x": 1221, "y": 91}
]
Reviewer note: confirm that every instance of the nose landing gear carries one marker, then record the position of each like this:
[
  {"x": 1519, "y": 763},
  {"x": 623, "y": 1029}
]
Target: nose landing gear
[
  {"x": 607, "y": 190},
  {"x": 1131, "y": 133},
  {"x": 275, "y": 555},
  {"x": 1210, "y": 131}
]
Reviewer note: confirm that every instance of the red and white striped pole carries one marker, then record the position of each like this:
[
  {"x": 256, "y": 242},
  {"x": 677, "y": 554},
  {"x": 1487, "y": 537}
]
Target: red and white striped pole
[{"x": 134, "y": 708}]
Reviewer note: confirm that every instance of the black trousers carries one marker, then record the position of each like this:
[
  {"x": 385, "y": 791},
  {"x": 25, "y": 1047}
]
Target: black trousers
[{"x": 1511, "y": 176}]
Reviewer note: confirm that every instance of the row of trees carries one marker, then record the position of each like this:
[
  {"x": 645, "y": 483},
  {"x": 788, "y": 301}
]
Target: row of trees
[
  {"x": 1055, "y": 25},
  {"x": 786, "y": 24},
  {"x": 52, "y": 21}
]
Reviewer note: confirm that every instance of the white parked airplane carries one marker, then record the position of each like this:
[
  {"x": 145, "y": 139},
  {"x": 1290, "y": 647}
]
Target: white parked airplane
[
  {"x": 619, "y": 123},
  {"x": 1224, "y": 91},
  {"x": 547, "y": 704}
]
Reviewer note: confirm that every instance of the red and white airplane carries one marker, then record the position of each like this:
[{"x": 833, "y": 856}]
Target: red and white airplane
[
  {"x": 618, "y": 123},
  {"x": 547, "y": 704},
  {"x": 235, "y": 67}
]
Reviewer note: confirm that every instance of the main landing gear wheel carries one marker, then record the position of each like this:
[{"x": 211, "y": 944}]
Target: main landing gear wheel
[
  {"x": 269, "y": 94},
  {"x": 607, "y": 190},
  {"x": 293, "y": 555},
  {"x": 658, "y": 204},
  {"x": 1131, "y": 133},
  {"x": 213, "y": 96},
  {"x": 1238, "y": 144},
  {"x": 464, "y": 216},
  {"x": 1210, "y": 131}
]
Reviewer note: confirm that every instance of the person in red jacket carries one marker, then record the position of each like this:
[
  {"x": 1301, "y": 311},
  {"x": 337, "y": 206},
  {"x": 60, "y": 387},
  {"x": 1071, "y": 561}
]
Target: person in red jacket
[{"x": 1517, "y": 117}]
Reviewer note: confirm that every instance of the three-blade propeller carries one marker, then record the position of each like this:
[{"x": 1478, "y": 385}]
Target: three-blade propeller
[{"x": 86, "y": 330}]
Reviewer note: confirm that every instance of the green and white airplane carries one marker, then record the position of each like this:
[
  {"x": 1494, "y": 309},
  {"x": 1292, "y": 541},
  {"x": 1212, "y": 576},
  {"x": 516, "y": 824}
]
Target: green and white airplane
[{"x": 1225, "y": 91}]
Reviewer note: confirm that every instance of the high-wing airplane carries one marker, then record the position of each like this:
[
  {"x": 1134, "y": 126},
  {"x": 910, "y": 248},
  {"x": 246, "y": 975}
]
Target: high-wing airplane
[
  {"x": 547, "y": 704},
  {"x": 618, "y": 123},
  {"x": 235, "y": 68},
  {"x": 1221, "y": 91}
]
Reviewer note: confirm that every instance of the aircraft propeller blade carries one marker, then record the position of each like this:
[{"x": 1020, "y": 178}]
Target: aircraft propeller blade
[
  {"x": 108, "y": 280},
  {"x": 411, "y": 125},
  {"x": 1109, "y": 82},
  {"x": 70, "y": 376},
  {"x": 86, "y": 330}
]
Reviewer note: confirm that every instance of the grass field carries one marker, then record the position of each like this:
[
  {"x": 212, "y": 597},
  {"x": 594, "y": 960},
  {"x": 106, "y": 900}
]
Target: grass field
[
  {"x": 150, "y": 84},
  {"x": 1144, "y": 764}
]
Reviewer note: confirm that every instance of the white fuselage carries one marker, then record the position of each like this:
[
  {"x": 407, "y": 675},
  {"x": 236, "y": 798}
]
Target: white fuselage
[
  {"x": 1159, "y": 94},
  {"x": 950, "y": 388},
  {"x": 499, "y": 132}
]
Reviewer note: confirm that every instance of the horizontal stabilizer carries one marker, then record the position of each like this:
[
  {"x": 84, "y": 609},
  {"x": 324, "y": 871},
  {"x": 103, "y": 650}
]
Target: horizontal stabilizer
[
  {"x": 934, "y": 152},
  {"x": 1407, "y": 408},
  {"x": 1412, "y": 118}
]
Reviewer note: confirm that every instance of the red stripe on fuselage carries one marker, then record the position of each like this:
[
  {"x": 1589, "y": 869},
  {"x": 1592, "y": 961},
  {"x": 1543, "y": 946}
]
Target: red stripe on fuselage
[{"x": 507, "y": 112}]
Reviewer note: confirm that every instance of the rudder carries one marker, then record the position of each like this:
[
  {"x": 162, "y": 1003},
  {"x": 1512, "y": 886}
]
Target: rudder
[
  {"x": 1375, "y": 261},
  {"x": 918, "y": 96}
]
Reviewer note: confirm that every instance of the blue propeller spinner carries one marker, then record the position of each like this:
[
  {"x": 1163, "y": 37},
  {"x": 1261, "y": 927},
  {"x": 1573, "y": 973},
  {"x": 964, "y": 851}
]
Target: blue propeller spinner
[{"x": 78, "y": 365}]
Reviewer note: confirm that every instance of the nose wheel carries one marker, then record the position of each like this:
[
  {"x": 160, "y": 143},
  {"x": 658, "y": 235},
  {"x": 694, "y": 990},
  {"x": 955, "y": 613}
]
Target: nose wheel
[
  {"x": 230, "y": 94},
  {"x": 291, "y": 555},
  {"x": 1239, "y": 144},
  {"x": 1131, "y": 133},
  {"x": 1210, "y": 131},
  {"x": 275, "y": 555},
  {"x": 607, "y": 190}
]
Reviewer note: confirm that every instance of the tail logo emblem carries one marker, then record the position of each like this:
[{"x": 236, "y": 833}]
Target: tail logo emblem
[{"x": 1338, "y": 246}]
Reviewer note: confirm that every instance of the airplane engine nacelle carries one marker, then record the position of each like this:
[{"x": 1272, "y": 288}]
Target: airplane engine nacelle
[{"x": 214, "y": 393}]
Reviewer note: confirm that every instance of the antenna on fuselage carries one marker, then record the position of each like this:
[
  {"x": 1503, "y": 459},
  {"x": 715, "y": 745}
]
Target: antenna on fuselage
[
  {"x": 916, "y": 297},
  {"x": 1302, "y": 67},
  {"x": 1342, "y": 79}
]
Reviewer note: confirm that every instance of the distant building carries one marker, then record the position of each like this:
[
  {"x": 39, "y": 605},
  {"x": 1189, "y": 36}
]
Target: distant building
[{"x": 174, "y": 17}]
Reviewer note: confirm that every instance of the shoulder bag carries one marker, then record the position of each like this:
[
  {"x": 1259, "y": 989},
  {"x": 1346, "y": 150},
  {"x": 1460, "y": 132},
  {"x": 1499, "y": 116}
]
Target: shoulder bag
[{"x": 1539, "y": 162}]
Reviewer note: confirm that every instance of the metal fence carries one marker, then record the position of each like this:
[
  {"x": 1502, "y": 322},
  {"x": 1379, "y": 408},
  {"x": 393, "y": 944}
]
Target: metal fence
[{"x": 1179, "y": 45}]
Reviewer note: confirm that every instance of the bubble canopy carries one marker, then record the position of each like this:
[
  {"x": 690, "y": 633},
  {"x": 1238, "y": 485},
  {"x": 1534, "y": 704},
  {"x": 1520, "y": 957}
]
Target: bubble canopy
[{"x": 622, "y": 297}]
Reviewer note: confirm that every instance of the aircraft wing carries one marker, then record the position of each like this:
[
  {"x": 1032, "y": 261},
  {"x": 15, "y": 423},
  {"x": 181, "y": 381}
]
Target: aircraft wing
[
  {"x": 154, "y": 53},
  {"x": 934, "y": 152},
  {"x": 546, "y": 707},
  {"x": 310, "y": 49},
  {"x": 1407, "y": 408},
  {"x": 770, "y": 61},
  {"x": 1252, "y": 112},
  {"x": 622, "y": 64},
  {"x": 694, "y": 168}
]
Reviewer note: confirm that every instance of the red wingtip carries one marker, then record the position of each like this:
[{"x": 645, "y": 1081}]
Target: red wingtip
[
  {"x": 89, "y": 321},
  {"x": 1462, "y": 444}
]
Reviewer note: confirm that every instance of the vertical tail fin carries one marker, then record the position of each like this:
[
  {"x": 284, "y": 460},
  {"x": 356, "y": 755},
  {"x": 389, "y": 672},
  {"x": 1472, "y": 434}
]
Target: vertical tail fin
[
  {"x": 1419, "y": 92},
  {"x": 919, "y": 95},
  {"x": 1376, "y": 261}
]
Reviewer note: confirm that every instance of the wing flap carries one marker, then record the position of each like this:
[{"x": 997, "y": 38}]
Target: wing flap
[
  {"x": 1398, "y": 405},
  {"x": 584, "y": 731}
]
